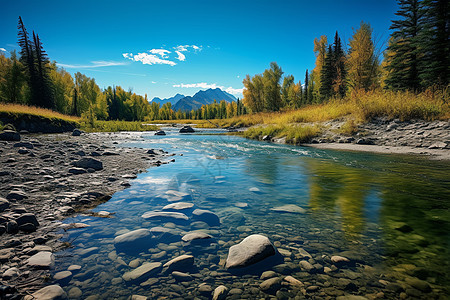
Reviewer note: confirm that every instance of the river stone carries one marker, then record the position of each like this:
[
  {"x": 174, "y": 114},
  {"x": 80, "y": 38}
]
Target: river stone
[
  {"x": 419, "y": 284},
  {"x": 51, "y": 292},
  {"x": 271, "y": 285},
  {"x": 255, "y": 190},
  {"x": 74, "y": 268},
  {"x": 77, "y": 171},
  {"x": 267, "y": 274},
  {"x": 351, "y": 297},
  {"x": 293, "y": 282},
  {"x": 27, "y": 218},
  {"x": 206, "y": 216},
  {"x": 133, "y": 241},
  {"x": 220, "y": 293},
  {"x": 76, "y": 132},
  {"x": 252, "y": 249},
  {"x": 75, "y": 293},
  {"x": 63, "y": 276},
  {"x": 16, "y": 195},
  {"x": 180, "y": 263},
  {"x": 88, "y": 163},
  {"x": 178, "y": 206},
  {"x": 41, "y": 260},
  {"x": 138, "y": 297},
  {"x": 164, "y": 233},
  {"x": 10, "y": 273},
  {"x": 306, "y": 266},
  {"x": 176, "y": 196},
  {"x": 9, "y": 135},
  {"x": 339, "y": 261},
  {"x": 289, "y": 208},
  {"x": 4, "y": 204},
  {"x": 166, "y": 216},
  {"x": 143, "y": 272},
  {"x": 180, "y": 276},
  {"x": 12, "y": 227},
  {"x": 27, "y": 227},
  {"x": 187, "y": 129},
  {"x": 195, "y": 237}
]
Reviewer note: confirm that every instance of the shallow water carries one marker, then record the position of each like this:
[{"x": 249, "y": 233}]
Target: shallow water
[{"x": 388, "y": 214}]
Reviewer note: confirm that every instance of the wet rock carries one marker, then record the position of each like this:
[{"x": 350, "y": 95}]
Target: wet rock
[
  {"x": 9, "y": 135},
  {"x": 133, "y": 241},
  {"x": 27, "y": 145},
  {"x": 180, "y": 263},
  {"x": 206, "y": 216},
  {"x": 41, "y": 260},
  {"x": 75, "y": 293},
  {"x": 166, "y": 216},
  {"x": 63, "y": 277},
  {"x": 74, "y": 268},
  {"x": 88, "y": 163},
  {"x": 419, "y": 284},
  {"x": 271, "y": 286},
  {"x": 138, "y": 297},
  {"x": 438, "y": 145},
  {"x": 340, "y": 261},
  {"x": 250, "y": 250},
  {"x": 77, "y": 171},
  {"x": 293, "y": 282},
  {"x": 176, "y": 196},
  {"x": 351, "y": 297},
  {"x": 16, "y": 195},
  {"x": 12, "y": 227},
  {"x": 267, "y": 274},
  {"x": 10, "y": 273},
  {"x": 179, "y": 206},
  {"x": 196, "y": 237},
  {"x": 255, "y": 190},
  {"x": 23, "y": 151},
  {"x": 51, "y": 292},
  {"x": 187, "y": 129},
  {"x": 220, "y": 293},
  {"x": 27, "y": 218},
  {"x": 76, "y": 132},
  {"x": 289, "y": 208},
  {"x": 28, "y": 227},
  {"x": 160, "y": 132},
  {"x": 166, "y": 234},
  {"x": 6, "y": 254},
  {"x": 306, "y": 266},
  {"x": 143, "y": 272},
  {"x": 205, "y": 289},
  {"x": 2, "y": 229},
  {"x": 180, "y": 276}
]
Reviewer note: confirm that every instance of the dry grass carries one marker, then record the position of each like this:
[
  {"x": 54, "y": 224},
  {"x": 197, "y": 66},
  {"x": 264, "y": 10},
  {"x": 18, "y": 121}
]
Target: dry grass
[
  {"x": 294, "y": 134},
  {"x": 17, "y": 109}
]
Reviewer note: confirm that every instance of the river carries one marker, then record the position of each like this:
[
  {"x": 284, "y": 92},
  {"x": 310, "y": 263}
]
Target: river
[{"x": 388, "y": 214}]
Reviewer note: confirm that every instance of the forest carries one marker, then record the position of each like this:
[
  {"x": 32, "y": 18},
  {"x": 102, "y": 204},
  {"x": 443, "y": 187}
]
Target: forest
[{"x": 417, "y": 59}]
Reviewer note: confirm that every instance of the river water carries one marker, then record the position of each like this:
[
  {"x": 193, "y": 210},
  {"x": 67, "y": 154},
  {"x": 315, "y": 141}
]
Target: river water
[{"x": 389, "y": 215}]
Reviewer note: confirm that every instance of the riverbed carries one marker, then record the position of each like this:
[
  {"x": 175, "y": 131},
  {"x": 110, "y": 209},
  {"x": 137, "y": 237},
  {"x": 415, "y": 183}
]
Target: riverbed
[{"x": 387, "y": 215}]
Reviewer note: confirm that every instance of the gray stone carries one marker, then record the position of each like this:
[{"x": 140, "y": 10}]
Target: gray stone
[
  {"x": 133, "y": 241},
  {"x": 9, "y": 135},
  {"x": 220, "y": 293},
  {"x": 178, "y": 206},
  {"x": 187, "y": 129},
  {"x": 143, "y": 272},
  {"x": 206, "y": 216},
  {"x": 41, "y": 260},
  {"x": 166, "y": 216},
  {"x": 77, "y": 171},
  {"x": 28, "y": 227},
  {"x": 289, "y": 208},
  {"x": 12, "y": 227},
  {"x": 165, "y": 234},
  {"x": 196, "y": 237},
  {"x": 27, "y": 218},
  {"x": 75, "y": 293},
  {"x": 63, "y": 277},
  {"x": 438, "y": 145},
  {"x": 51, "y": 292},
  {"x": 180, "y": 263},
  {"x": 180, "y": 276},
  {"x": 250, "y": 250},
  {"x": 88, "y": 163},
  {"x": 271, "y": 286},
  {"x": 27, "y": 145},
  {"x": 10, "y": 273},
  {"x": 16, "y": 195},
  {"x": 76, "y": 132}
]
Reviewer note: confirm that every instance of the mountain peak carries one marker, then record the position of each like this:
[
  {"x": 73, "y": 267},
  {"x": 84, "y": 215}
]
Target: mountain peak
[{"x": 203, "y": 98}]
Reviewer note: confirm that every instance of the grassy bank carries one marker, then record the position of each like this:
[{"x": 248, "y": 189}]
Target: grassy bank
[{"x": 115, "y": 126}]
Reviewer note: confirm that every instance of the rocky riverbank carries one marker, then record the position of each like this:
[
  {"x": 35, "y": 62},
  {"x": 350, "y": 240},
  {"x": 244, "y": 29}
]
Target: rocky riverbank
[{"x": 46, "y": 178}]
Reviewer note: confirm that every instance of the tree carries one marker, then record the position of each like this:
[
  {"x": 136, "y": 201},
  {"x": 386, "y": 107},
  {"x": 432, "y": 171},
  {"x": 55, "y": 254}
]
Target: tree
[
  {"x": 307, "y": 100},
  {"x": 286, "y": 100},
  {"x": 272, "y": 87},
  {"x": 320, "y": 51},
  {"x": 12, "y": 79},
  {"x": 403, "y": 64},
  {"x": 363, "y": 70},
  {"x": 43, "y": 84},
  {"x": 327, "y": 75},
  {"x": 62, "y": 89},
  {"x": 27, "y": 59},
  {"x": 340, "y": 72}
]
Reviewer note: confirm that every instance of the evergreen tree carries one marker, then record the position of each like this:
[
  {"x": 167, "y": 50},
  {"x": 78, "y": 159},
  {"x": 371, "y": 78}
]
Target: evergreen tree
[
  {"x": 435, "y": 42},
  {"x": 327, "y": 75},
  {"x": 43, "y": 84},
  {"x": 306, "y": 95},
  {"x": 340, "y": 73},
  {"x": 403, "y": 64}
]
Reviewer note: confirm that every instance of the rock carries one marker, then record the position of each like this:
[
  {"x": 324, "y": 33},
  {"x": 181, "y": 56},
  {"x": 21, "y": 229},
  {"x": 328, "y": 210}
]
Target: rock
[
  {"x": 351, "y": 297},
  {"x": 88, "y": 163},
  {"x": 187, "y": 129},
  {"x": 267, "y": 274},
  {"x": 293, "y": 282},
  {"x": 271, "y": 286},
  {"x": 266, "y": 138},
  {"x": 77, "y": 171},
  {"x": 9, "y": 135},
  {"x": 180, "y": 276},
  {"x": 76, "y": 132},
  {"x": 28, "y": 227},
  {"x": 23, "y": 151},
  {"x": 196, "y": 237},
  {"x": 438, "y": 145},
  {"x": 10, "y": 273},
  {"x": 160, "y": 132},
  {"x": 74, "y": 268},
  {"x": 143, "y": 272},
  {"x": 12, "y": 227},
  {"x": 27, "y": 218},
  {"x": 220, "y": 293},
  {"x": 176, "y": 196},
  {"x": 133, "y": 241},
  {"x": 2, "y": 229},
  {"x": 4, "y": 204},
  {"x": 6, "y": 254},
  {"x": 51, "y": 292},
  {"x": 206, "y": 216},
  {"x": 165, "y": 234},
  {"x": 16, "y": 195},
  {"x": 41, "y": 260},
  {"x": 166, "y": 216},
  {"x": 250, "y": 250},
  {"x": 178, "y": 206},
  {"x": 27, "y": 145},
  {"x": 419, "y": 284},
  {"x": 138, "y": 297},
  {"x": 75, "y": 293},
  {"x": 205, "y": 289},
  {"x": 63, "y": 277},
  {"x": 306, "y": 266},
  {"x": 339, "y": 261},
  {"x": 289, "y": 208},
  {"x": 255, "y": 190},
  {"x": 180, "y": 263}
]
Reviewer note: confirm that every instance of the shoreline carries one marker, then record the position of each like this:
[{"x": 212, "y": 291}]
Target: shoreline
[{"x": 40, "y": 187}]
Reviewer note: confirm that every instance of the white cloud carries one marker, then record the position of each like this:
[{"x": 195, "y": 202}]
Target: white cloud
[
  {"x": 153, "y": 82},
  {"x": 148, "y": 59},
  {"x": 94, "y": 64},
  {"x": 181, "y": 56},
  {"x": 204, "y": 85},
  {"x": 184, "y": 48},
  {"x": 161, "y": 52},
  {"x": 3, "y": 49}
]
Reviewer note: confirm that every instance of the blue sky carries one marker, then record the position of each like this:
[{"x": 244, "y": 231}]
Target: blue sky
[{"x": 206, "y": 43}]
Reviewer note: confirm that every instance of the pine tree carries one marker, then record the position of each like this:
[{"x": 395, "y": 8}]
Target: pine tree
[
  {"x": 43, "y": 85},
  {"x": 435, "y": 42},
  {"x": 306, "y": 95},
  {"x": 403, "y": 64},
  {"x": 340, "y": 73},
  {"x": 327, "y": 75}
]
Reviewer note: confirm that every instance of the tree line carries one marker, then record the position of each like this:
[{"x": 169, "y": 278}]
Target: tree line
[{"x": 417, "y": 58}]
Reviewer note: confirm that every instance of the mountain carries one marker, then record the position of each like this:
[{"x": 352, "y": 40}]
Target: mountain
[
  {"x": 202, "y": 98},
  {"x": 172, "y": 100}
]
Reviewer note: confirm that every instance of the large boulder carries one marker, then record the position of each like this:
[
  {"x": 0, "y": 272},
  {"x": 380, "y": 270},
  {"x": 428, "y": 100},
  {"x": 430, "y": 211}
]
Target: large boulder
[
  {"x": 88, "y": 163},
  {"x": 9, "y": 135},
  {"x": 143, "y": 272},
  {"x": 27, "y": 218},
  {"x": 252, "y": 249},
  {"x": 166, "y": 216},
  {"x": 41, "y": 260},
  {"x": 206, "y": 216},
  {"x": 160, "y": 132},
  {"x": 51, "y": 292},
  {"x": 76, "y": 132},
  {"x": 133, "y": 241},
  {"x": 187, "y": 129}
]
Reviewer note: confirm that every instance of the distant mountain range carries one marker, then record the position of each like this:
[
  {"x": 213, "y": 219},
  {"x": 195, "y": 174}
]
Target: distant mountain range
[{"x": 187, "y": 103}]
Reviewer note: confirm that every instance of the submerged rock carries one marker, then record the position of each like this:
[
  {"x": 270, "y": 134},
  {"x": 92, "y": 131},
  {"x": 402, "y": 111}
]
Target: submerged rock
[
  {"x": 289, "y": 208},
  {"x": 220, "y": 292},
  {"x": 180, "y": 263},
  {"x": 51, "y": 292},
  {"x": 133, "y": 241},
  {"x": 252, "y": 249},
  {"x": 196, "y": 236},
  {"x": 187, "y": 129},
  {"x": 160, "y": 132},
  {"x": 143, "y": 272},
  {"x": 178, "y": 206},
  {"x": 206, "y": 216},
  {"x": 166, "y": 216}
]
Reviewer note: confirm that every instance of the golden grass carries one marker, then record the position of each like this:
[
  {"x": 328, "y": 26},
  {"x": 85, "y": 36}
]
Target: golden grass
[
  {"x": 17, "y": 109},
  {"x": 115, "y": 126},
  {"x": 294, "y": 134}
]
